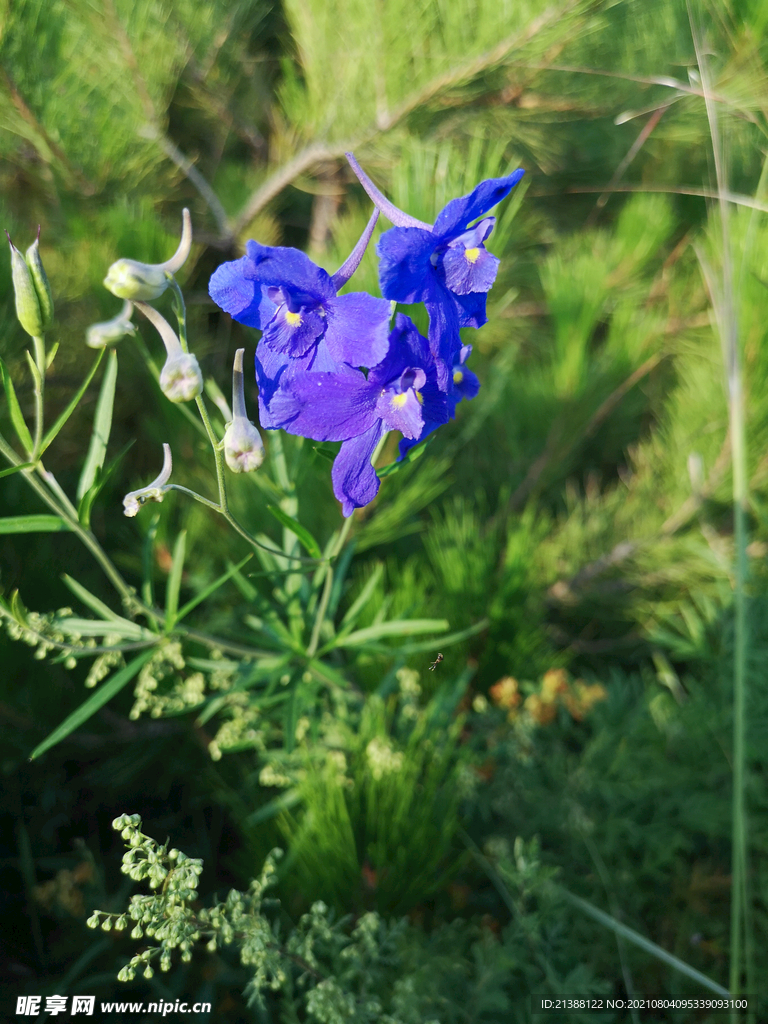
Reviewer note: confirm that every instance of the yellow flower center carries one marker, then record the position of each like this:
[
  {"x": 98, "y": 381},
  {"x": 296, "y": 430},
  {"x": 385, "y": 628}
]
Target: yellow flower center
[
  {"x": 471, "y": 255},
  {"x": 292, "y": 319},
  {"x": 420, "y": 397},
  {"x": 398, "y": 401},
  {"x": 458, "y": 377}
]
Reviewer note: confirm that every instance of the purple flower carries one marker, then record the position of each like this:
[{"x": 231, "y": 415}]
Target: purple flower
[
  {"x": 306, "y": 324},
  {"x": 400, "y": 393},
  {"x": 462, "y": 383},
  {"x": 445, "y": 265}
]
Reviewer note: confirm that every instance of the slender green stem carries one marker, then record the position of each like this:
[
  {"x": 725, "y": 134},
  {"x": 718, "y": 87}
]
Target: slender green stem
[
  {"x": 327, "y": 588},
  {"x": 195, "y": 495},
  {"x": 39, "y": 345}
]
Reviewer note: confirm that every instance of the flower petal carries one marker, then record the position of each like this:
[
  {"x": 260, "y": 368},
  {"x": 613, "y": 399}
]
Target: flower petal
[
  {"x": 325, "y": 406},
  {"x": 469, "y": 270},
  {"x": 275, "y": 369},
  {"x": 444, "y": 338},
  {"x": 294, "y": 333},
  {"x": 355, "y": 483},
  {"x": 357, "y": 330},
  {"x": 455, "y": 217},
  {"x": 280, "y": 266},
  {"x": 401, "y": 411},
  {"x": 237, "y": 294},
  {"x": 404, "y": 263}
]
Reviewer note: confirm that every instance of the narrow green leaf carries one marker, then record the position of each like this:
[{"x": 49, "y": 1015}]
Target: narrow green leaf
[
  {"x": 96, "y": 627},
  {"x": 174, "y": 580},
  {"x": 33, "y": 369},
  {"x": 398, "y": 627},
  {"x": 33, "y": 524},
  {"x": 62, "y": 419},
  {"x": 90, "y": 600},
  {"x": 14, "y": 409},
  {"x": 89, "y": 707},
  {"x": 362, "y": 599},
  {"x": 411, "y": 456},
  {"x": 640, "y": 940},
  {"x": 51, "y": 355},
  {"x": 303, "y": 535},
  {"x": 325, "y": 451},
  {"x": 283, "y": 802},
  {"x": 102, "y": 476},
  {"x": 15, "y": 469},
  {"x": 207, "y": 591},
  {"x": 102, "y": 424}
]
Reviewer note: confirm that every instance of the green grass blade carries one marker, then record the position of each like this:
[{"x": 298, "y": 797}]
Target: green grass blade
[
  {"x": 90, "y": 600},
  {"x": 639, "y": 940},
  {"x": 73, "y": 404},
  {"x": 14, "y": 409},
  {"x": 207, "y": 591},
  {"x": 303, "y": 535},
  {"x": 174, "y": 580},
  {"x": 411, "y": 456},
  {"x": 102, "y": 424},
  {"x": 399, "y": 627},
  {"x": 89, "y": 708},
  {"x": 280, "y": 803},
  {"x": 33, "y": 524},
  {"x": 15, "y": 469},
  {"x": 362, "y": 599}
]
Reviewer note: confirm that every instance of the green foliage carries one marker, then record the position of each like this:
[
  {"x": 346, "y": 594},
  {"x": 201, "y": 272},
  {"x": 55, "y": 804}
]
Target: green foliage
[{"x": 577, "y": 515}]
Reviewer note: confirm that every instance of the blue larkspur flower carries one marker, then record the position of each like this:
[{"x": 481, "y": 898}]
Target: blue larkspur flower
[
  {"x": 306, "y": 325},
  {"x": 445, "y": 265},
  {"x": 400, "y": 393},
  {"x": 463, "y": 383}
]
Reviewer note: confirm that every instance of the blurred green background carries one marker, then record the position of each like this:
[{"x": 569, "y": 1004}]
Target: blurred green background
[{"x": 581, "y": 504}]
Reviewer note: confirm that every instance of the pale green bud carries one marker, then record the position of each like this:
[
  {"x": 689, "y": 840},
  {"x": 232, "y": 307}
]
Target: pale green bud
[
  {"x": 243, "y": 447},
  {"x": 28, "y": 310},
  {"x": 181, "y": 379},
  {"x": 109, "y": 331},
  {"x": 40, "y": 281},
  {"x": 142, "y": 282}
]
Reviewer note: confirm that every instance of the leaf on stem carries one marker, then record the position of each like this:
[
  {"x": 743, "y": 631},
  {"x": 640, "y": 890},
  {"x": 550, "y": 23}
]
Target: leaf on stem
[
  {"x": 14, "y": 409},
  {"x": 75, "y": 401},
  {"x": 303, "y": 535},
  {"x": 89, "y": 708},
  {"x": 33, "y": 524},
  {"x": 102, "y": 424},
  {"x": 174, "y": 581}
]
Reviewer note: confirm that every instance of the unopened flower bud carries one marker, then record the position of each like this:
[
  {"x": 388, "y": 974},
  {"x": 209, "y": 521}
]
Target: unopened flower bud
[
  {"x": 133, "y": 501},
  {"x": 180, "y": 378},
  {"x": 109, "y": 331},
  {"x": 142, "y": 282},
  {"x": 243, "y": 447},
  {"x": 40, "y": 281},
  {"x": 28, "y": 311}
]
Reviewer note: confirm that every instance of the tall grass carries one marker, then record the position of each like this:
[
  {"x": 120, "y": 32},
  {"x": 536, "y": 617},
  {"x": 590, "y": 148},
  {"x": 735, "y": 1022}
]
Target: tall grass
[{"x": 723, "y": 295}]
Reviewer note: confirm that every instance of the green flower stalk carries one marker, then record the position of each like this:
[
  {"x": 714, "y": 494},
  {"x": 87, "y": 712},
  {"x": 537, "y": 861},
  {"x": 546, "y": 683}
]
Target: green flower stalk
[
  {"x": 155, "y": 491},
  {"x": 109, "y": 331},
  {"x": 34, "y": 301},
  {"x": 180, "y": 377},
  {"x": 243, "y": 447},
  {"x": 143, "y": 282}
]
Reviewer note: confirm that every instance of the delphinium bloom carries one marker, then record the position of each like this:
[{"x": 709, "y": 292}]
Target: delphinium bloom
[
  {"x": 445, "y": 265},
  {"x": 463, "y": 383},
  {"x": 400, "y": 393},
  {"x": 306, "y": 325}
]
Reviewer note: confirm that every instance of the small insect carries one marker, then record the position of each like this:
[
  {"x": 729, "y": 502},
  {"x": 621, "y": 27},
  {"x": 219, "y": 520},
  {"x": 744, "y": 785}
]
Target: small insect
[{"x": 435, "y": 663}]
